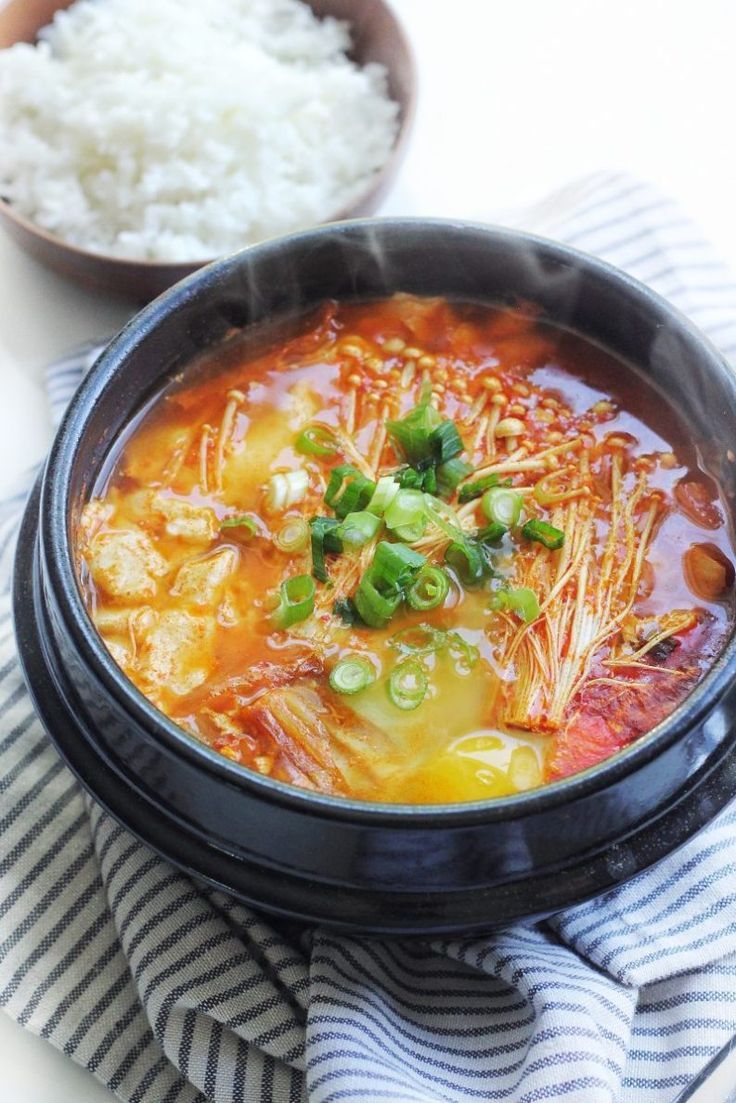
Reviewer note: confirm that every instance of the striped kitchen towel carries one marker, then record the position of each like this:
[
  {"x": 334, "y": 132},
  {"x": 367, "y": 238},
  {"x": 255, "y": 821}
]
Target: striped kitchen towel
[{"x": 170, "y": 992}]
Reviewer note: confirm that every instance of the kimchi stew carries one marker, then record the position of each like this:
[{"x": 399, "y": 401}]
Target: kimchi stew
[{"x": 415, "y": 551}]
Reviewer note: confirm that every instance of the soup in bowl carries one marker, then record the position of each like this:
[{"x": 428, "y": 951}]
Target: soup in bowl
[
  {"x": 382, "y": 575},
  {"x": 422, "y": 551}
]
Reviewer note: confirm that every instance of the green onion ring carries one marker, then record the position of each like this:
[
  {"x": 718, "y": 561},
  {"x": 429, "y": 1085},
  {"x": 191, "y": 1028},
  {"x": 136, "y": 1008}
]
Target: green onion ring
[
  {"x": 351, "y": 675},
  {"x": 243, "y": 527},
  {"x": 502, "y": 506},
  {"x": 374, "y": 607},
  {"x": 407, "y": 685},
  {"x": 418, "y": 639},
  {"x": 466, "y": 654},
  {"x": 317, "y": 440},
  {"x": 296, "y": 601},
  {"x": 522, "y": 601},
  {"x": 386, "y": 490},
  {"x": 546, "y": 535},
  {"x": 395, "y": 566},
  {"x": 293, "y": 536},
  {"x": 348, "y": 490},
  {"x": 450, "y": 474},
  {"x": 358, "y": 528},
  {"x": 407, "y": 515},
  {"x": 429, "y": 589},
  {"x": 324, "y": 540},
  {"x": 467, "y": 560}
]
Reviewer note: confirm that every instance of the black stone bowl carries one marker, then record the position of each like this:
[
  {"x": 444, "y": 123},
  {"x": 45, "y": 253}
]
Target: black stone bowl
[{"x": 385, "y": 869}]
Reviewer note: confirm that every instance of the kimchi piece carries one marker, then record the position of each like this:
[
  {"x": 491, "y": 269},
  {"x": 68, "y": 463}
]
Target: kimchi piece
[{"x": 410, "y": 551}]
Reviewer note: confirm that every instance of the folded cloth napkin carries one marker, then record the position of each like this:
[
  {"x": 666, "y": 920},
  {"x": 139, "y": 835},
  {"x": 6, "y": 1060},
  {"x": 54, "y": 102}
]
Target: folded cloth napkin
[{"x": 170, "y": 992}]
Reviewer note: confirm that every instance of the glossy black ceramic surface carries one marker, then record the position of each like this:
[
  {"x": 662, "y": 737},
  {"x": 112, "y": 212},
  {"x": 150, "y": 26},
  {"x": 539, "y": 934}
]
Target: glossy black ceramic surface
[{"x": 380, "y": 868}]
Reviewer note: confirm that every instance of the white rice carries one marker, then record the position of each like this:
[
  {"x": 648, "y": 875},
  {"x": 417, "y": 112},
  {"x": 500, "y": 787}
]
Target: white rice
[{"x": 178, "y": 130}]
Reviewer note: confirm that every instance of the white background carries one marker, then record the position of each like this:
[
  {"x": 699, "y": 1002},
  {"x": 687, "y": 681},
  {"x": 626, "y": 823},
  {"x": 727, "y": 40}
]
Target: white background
[{"x": 516, "y": 98}]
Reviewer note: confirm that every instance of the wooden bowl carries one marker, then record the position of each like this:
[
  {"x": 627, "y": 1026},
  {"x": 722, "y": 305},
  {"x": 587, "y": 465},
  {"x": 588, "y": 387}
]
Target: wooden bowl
[{"x": 377, "y": 36}]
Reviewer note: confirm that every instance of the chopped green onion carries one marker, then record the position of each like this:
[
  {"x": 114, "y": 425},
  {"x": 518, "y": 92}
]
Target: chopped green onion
[
  {"x": 358, "y": 528},
  {"x": 503, "y": 506},
  {"x": 386, "y": 490},
  {"x": 429, "y": 482},
  {"x": 296, "y": 601},
  {"x": 345, "y": 609},
  {"x": 418, "y": 639},
  {"x": 467, "y": 560},
  {"x": 491, "y": 534},
  {"x": 445, "y": 441},
  {"x": 411, "y": 479},
  {"x": 411, "y": 435},
  {"x": 324, "y": 539},
  {"x": 351, "y": 675},
  {"x": 396, "y": 565},
  {"x": 243, "y": 528},
  {"x": 293, "y": 535},
  {"x": 348, "y": 490},
  {"x": 450, "y": 474},
  {"x": 429, "y": 589},
  {"x": 286, "y": 489},
  {"x": 424, "y": 639},
  {"x": 407, "y": 685},
  {"x": 444, "y": 517},
  {"x": 317, "y": 440},
  {"x": 466, "y": 654},
  {"x": 477, "y": 489},
  {"x": 544, "y": 534},
  {"x": 499, "y": 602},
  {"x": 407, "y": 515},
  {"x": 374, "y": 607},
  {"x": 428, "y": 444},
  {"x": 465, "y": 555},
  {"x": 522, "y": 601},
  {"x": 382, "y": 586}
]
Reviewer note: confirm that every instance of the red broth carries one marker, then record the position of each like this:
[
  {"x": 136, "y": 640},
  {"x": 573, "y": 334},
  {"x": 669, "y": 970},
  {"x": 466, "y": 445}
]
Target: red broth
[{"x": 455, "y": 647}]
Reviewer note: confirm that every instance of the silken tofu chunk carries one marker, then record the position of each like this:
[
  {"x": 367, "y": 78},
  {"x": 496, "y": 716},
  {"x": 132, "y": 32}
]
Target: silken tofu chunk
[
  {"x": 176, "y": 653},
  {"x": 187, "y": 522},
  {"x": 249, "y": 461},
  {"x": 125, "y": 564},
  {"x": 202, "y": 581},
  {"x": 122, "y": 628},
  {"x": 94, "y": 515}
]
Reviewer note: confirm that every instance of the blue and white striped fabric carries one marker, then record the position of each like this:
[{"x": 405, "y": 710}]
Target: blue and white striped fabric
[{"x": 169, "y": 992}]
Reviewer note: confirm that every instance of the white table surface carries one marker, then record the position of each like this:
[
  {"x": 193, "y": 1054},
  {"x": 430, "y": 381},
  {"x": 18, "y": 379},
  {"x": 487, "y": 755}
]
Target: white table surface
[{"x": 515, "y": 99}]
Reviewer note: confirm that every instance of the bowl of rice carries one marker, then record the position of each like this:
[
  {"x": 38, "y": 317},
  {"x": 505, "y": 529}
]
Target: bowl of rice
[{"x": 142, "y": 140}]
